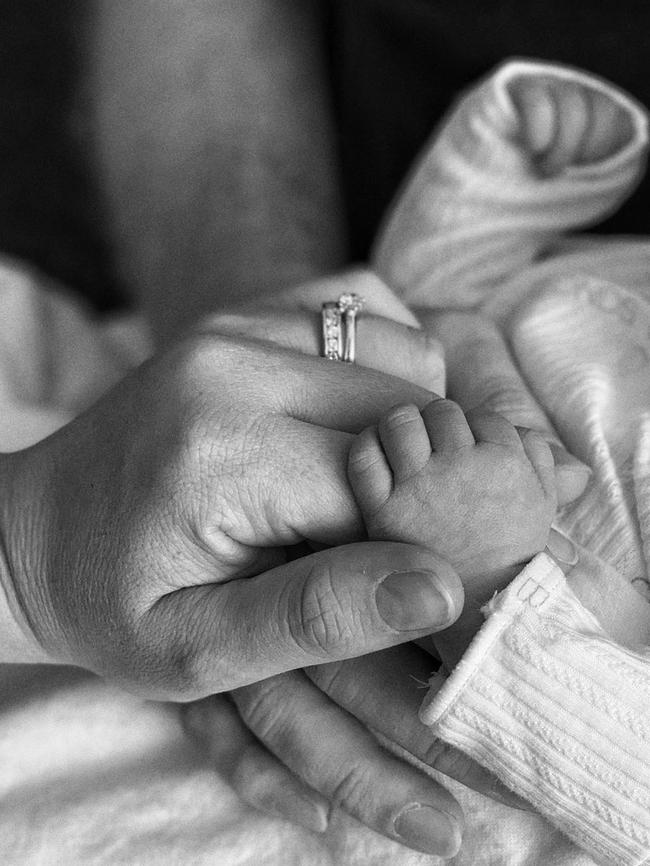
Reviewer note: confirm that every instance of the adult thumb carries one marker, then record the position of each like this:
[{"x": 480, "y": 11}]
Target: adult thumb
[{"x": 335, "y": 604}]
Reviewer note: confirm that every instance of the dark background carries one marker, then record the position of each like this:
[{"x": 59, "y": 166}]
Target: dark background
[
  {"x": 49, "y": 210},
  {"x": 396, "y": 66}
]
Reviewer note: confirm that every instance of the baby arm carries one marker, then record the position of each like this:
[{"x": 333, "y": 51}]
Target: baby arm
[
  {"x": 531, "y": 152},
  {"x": 477, "y": 490}
]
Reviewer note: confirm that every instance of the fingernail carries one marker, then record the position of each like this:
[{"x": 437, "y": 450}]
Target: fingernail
[
  {"x": 415, "y": 600},
  {"x": 567, "y": 461},
  {"x": 562, "y": 548},
  {"x": 427, "y": 829}
]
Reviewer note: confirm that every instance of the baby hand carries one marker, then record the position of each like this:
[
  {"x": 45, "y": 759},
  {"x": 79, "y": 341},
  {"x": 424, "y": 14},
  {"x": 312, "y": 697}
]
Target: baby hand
[
  {"x": 475, "y": 489},
  {"x": 565, "y": 122}
]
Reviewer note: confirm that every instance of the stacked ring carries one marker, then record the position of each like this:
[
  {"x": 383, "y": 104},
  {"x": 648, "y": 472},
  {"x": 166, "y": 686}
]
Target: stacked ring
[
  {"x": 339, "y": 321},
  {"x": 332, "y": 338}
]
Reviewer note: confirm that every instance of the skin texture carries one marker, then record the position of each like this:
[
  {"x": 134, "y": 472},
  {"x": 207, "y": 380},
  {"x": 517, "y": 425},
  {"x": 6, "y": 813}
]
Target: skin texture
[
  {"x": 382, "y": 690},
  {"x": 138, "y": 535},
  {"x": 473, "y": 488},
  {"x": 118, "y": 558}
]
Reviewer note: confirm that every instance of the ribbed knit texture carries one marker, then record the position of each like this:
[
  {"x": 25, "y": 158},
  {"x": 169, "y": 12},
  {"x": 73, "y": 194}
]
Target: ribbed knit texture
[{"x": 548, "y": 702}]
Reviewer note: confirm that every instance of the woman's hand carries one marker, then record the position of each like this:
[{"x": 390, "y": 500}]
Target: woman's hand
[
  {"x": 274, "y": 760},
  {"x": 457, "y": 353},
  {"x": 298, "y": 744},
  {"x": 145, "y": 540},
  {"x": 389, "y": 337}
]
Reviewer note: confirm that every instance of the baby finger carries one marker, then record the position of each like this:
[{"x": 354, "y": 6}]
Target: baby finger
[
  {"x": 447, "y": 426},
  {"x": 489, "y": 427}
]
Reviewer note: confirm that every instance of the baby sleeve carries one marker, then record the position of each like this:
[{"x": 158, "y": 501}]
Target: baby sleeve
[
  {"x": 548, "y": 702},
  {"x": 475, "y": 210}
]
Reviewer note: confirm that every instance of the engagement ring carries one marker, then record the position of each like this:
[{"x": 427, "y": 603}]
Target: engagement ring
[{"x": 339, "y": 321}]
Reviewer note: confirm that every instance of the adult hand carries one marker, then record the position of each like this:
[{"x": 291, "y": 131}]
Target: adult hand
[
  {"x": 482, "y": 373},
  {"x": 389, "y": 337},
  {"x": 262, "y": 739},
  {"x": 301, "y": 744},
  {"x": 131, "y": 534}
]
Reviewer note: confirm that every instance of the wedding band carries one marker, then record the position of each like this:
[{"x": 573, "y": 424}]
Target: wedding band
[
  {"x": 350, "y": 306},
  {"x": 339, "y": 320},
  {"x": 332, "y": 337}
]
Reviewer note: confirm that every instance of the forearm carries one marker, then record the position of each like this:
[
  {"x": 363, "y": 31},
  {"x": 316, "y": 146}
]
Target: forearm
[{"x": 214, "y": 149}]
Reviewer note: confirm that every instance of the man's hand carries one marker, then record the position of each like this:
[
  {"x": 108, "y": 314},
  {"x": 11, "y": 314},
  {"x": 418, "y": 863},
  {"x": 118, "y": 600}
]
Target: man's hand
[{"x": 145, "y": 540}]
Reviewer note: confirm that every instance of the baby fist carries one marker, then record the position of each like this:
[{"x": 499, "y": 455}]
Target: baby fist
[{"x": 477, "y": 490}]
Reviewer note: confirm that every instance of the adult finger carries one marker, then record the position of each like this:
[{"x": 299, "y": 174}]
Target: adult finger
[
  {"x": 330, "y": 394},
  {"x": 481, "y": 373},
  {"x": 257, "y": 776},
  {"x": 347, "y": 765},
  {"x": 378, "y": 299},
  {"x": 334, "y": 604},
  {"x": 395, "y": 348},
  {"x": 384, "y": 691}
]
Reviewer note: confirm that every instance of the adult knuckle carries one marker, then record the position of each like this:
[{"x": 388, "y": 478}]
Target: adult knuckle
[
  {"x": 261, "y": 706},
  {"x": 186, "y": 673},
  {"x": 327, "y": 677},
  {"x": 449, "y": 761},
  {"x": 337, "y": 680},
  {"x": 353, "y": 790},
  {"x": 318, "y": 621},
  {"x": 190, "y": 664}
]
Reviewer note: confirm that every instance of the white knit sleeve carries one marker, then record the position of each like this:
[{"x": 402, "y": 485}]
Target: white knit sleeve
[
  {"x": 559, "y": 712},
  {"x": 475, "y": 210}
]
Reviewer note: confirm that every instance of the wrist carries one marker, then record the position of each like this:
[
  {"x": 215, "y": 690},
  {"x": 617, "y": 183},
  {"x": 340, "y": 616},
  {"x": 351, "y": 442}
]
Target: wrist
[
  {"x": 480, "y": 584},
  {"x": 17, "y": 641}
]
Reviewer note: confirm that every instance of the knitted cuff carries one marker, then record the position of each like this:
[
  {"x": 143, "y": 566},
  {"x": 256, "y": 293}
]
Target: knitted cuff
[{"x": 559, "y": 712}]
